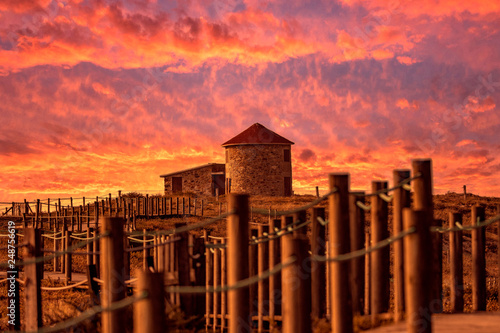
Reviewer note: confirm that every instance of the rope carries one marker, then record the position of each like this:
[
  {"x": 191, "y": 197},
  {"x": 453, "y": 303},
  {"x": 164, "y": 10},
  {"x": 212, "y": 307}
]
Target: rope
[
  {"x": 385, "y": 197},
  {"x": 362, "y": 252},
  {"x": 215, "y": 246},
  {"x": 263, "y": 211},
  {"x": 134, "y": 249},
  {"x": 279, "y": 234},
  {"x": 2, "y": 281},
  {"x": 277, "y": 231},
  {"x": 55, "y": 255},
  {"x": 54, "y": 238},
  {"x": 89, "y": 314},
  {"x": 80, "y": 238},
  {"x": 64, "y": 287},
  {"x": 187, "y": 227},
  {"x": 240, "y": 284},
  {"x": 460, "y": 227},
  {"x": 363, "y": 206},
  {"x": 137, "y": 240},
  {"x": 387, "y": 190}
]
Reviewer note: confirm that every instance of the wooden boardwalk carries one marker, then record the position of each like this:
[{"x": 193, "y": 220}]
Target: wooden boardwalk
[{"x": 483, "y": 322}]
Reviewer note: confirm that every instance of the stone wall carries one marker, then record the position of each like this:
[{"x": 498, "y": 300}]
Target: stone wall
[
  {"x": 198, "y": 181},
  {"x": 258, "y": 169}
]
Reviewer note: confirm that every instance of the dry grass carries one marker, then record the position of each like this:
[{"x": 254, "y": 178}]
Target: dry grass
[{"x": 62, "y": 305}]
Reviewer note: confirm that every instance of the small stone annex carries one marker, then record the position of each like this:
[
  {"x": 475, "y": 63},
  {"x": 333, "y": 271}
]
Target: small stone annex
[{"x": 258, "y": 162}]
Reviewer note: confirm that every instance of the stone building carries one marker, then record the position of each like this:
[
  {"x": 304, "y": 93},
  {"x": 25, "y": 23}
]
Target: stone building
[
  {"x": 259, "y": 162},
  {"x": 203, "y": 179}
]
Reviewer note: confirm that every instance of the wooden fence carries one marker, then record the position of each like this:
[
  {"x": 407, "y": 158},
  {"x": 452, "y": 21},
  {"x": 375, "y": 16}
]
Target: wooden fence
[{"x": 259, "y": 277}]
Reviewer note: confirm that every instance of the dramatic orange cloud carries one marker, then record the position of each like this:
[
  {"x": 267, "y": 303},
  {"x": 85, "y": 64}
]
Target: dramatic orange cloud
[{"x": 100, "y": 96}]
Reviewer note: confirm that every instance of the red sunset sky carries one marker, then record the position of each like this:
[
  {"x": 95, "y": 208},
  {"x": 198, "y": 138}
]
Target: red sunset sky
[{"x": 102, "y": 95}]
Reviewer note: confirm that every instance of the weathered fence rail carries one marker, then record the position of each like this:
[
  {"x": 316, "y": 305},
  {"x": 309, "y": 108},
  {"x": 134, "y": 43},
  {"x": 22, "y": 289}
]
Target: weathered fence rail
[{"x": 298, "y": 267}]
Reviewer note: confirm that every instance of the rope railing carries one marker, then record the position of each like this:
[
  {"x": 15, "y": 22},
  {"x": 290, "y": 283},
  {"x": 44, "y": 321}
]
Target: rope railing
[
  {"x": 137, "y": 240},
  {"x": 313, "y": 203},
  {"x": 55, "y": 255},
  {"x": 289, "y": 229},
  {"x": 184, "y": 228},
  {"x": 134, "y": 249},
  {"x": 277, "y": 230},
  {"x": 240, "y": 284},
  {"x": 460, "y": 227},
  {"x": 64, "y": 287},
  {"x": 362, "y": 252},
  {"x": 402, "y": 184},
  {"x": 89, "y": 314}
]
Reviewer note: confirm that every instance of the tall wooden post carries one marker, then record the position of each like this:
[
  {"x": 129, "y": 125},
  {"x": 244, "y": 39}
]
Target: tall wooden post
[
  {"x": 90, "y": 247},
  {"x": 456, "y": 265},
  {"x": 339, "y": 243},
  {"x": 209, "y": 280},
  {"x": 318, "y": 269},
  {"x": 67, "y": 257},
  {"x": 263, "y": 285},
  {"x": 379, "y": 260},
  {"x": 37, "y": 214},
  {"x": 48, "y": 214},
  {"x": 113, "y": 287},
  {"x": 274, "y": 280},
  {"x": 296, "y": 285},
  {"x": 184, "y": 271},
  {"x": 149, "y": 312},
  {"x": 418, "y": 272},
  {"x": 478, "y": 261},
  {"x": 253, "y": 260},
  {"x": 33, "y": 275},
  {"x": 237, "y": 232},
  {"x": 223, "y": 283},
  {"x": 422, "y": 200},
  {"x": 299, "y": 218},
  {"x": 357, "y": 265},
  {"x": 401, "y": 199}
]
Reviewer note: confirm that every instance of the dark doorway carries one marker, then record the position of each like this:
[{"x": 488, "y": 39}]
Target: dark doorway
[
  {"x": 218, "y": 183},
  {"x": 288, "y": 186},
  {"x": 176, "y": 184}
]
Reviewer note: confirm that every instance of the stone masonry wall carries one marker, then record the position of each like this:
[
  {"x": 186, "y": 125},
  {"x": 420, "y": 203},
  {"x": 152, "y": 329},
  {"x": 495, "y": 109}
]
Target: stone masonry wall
[
  {"x": 197, "y": 181},
  {"x": 258, "y": 169}
]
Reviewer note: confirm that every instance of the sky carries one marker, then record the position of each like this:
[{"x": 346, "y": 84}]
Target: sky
[{"x": 98, "y": 96}]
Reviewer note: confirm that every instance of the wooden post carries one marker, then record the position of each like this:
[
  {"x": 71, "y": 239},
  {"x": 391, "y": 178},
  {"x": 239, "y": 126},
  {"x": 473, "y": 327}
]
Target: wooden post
[
  {"x": 274, "y": 280},
  {"x": 149, "y": 312},
  {"x": 90, "y": 247},
  {"x": 317, "y": 192},
  {"x": 418, "y": 272},
  {"x": 93, "y": 287},
  {"x": 209, "y": 280},
  {"x": 217, "y": 194},
  {"x": 237, "y": 232},
  {"x": 216, "y": 296},
  {"x": 318, "y": 269},
  {"x": 422, "y": 200},
  {"x": 63, "y": 245},
  {"x": 194, "y": 206},
  {"x": 199, "y": 272},
  {"x": 380, "y": 260},
  {"x": 223, "y": 283},
  {"x": 253, "y": 260},
  {"x": 177, "y": 206},
  {"x": 145, "y": 252},
  {"x": 478, "y": 261},
  {"x": 296, "y": 285},
  {"x": 368, "y": 279},
  {"x": 37, "y": 214},
  {"x": 401, "y": 199},
  {"x": 96, "y": 214},
  {"x": 263, "y": 285},
  {"x": 48, "y": 214},
  {"x": 146, "y": 206},
  {"x": 183, "y": 206},
  {"x": 184, "y": 271},
  {"x": 465, "y": 193},
  {"x": 357, "y": 242},
  {"x": 113, "y": 287},
  {"x": 56, "y": 259},
  {"x": 298, "y": 219},
  {"x": 67, "y": 258},
  {"x": 33, "y": 277},
  {"x": 189, "y": 205},
  {"x": 13, "y": 302},
  {"x": 456, "y": 265},
  {"x": 201, "y": 208},
  {"x": 339, "y": 243}
]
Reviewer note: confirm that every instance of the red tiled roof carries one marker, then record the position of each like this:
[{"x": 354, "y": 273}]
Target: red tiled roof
[{"x": 257, "y": 134}]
